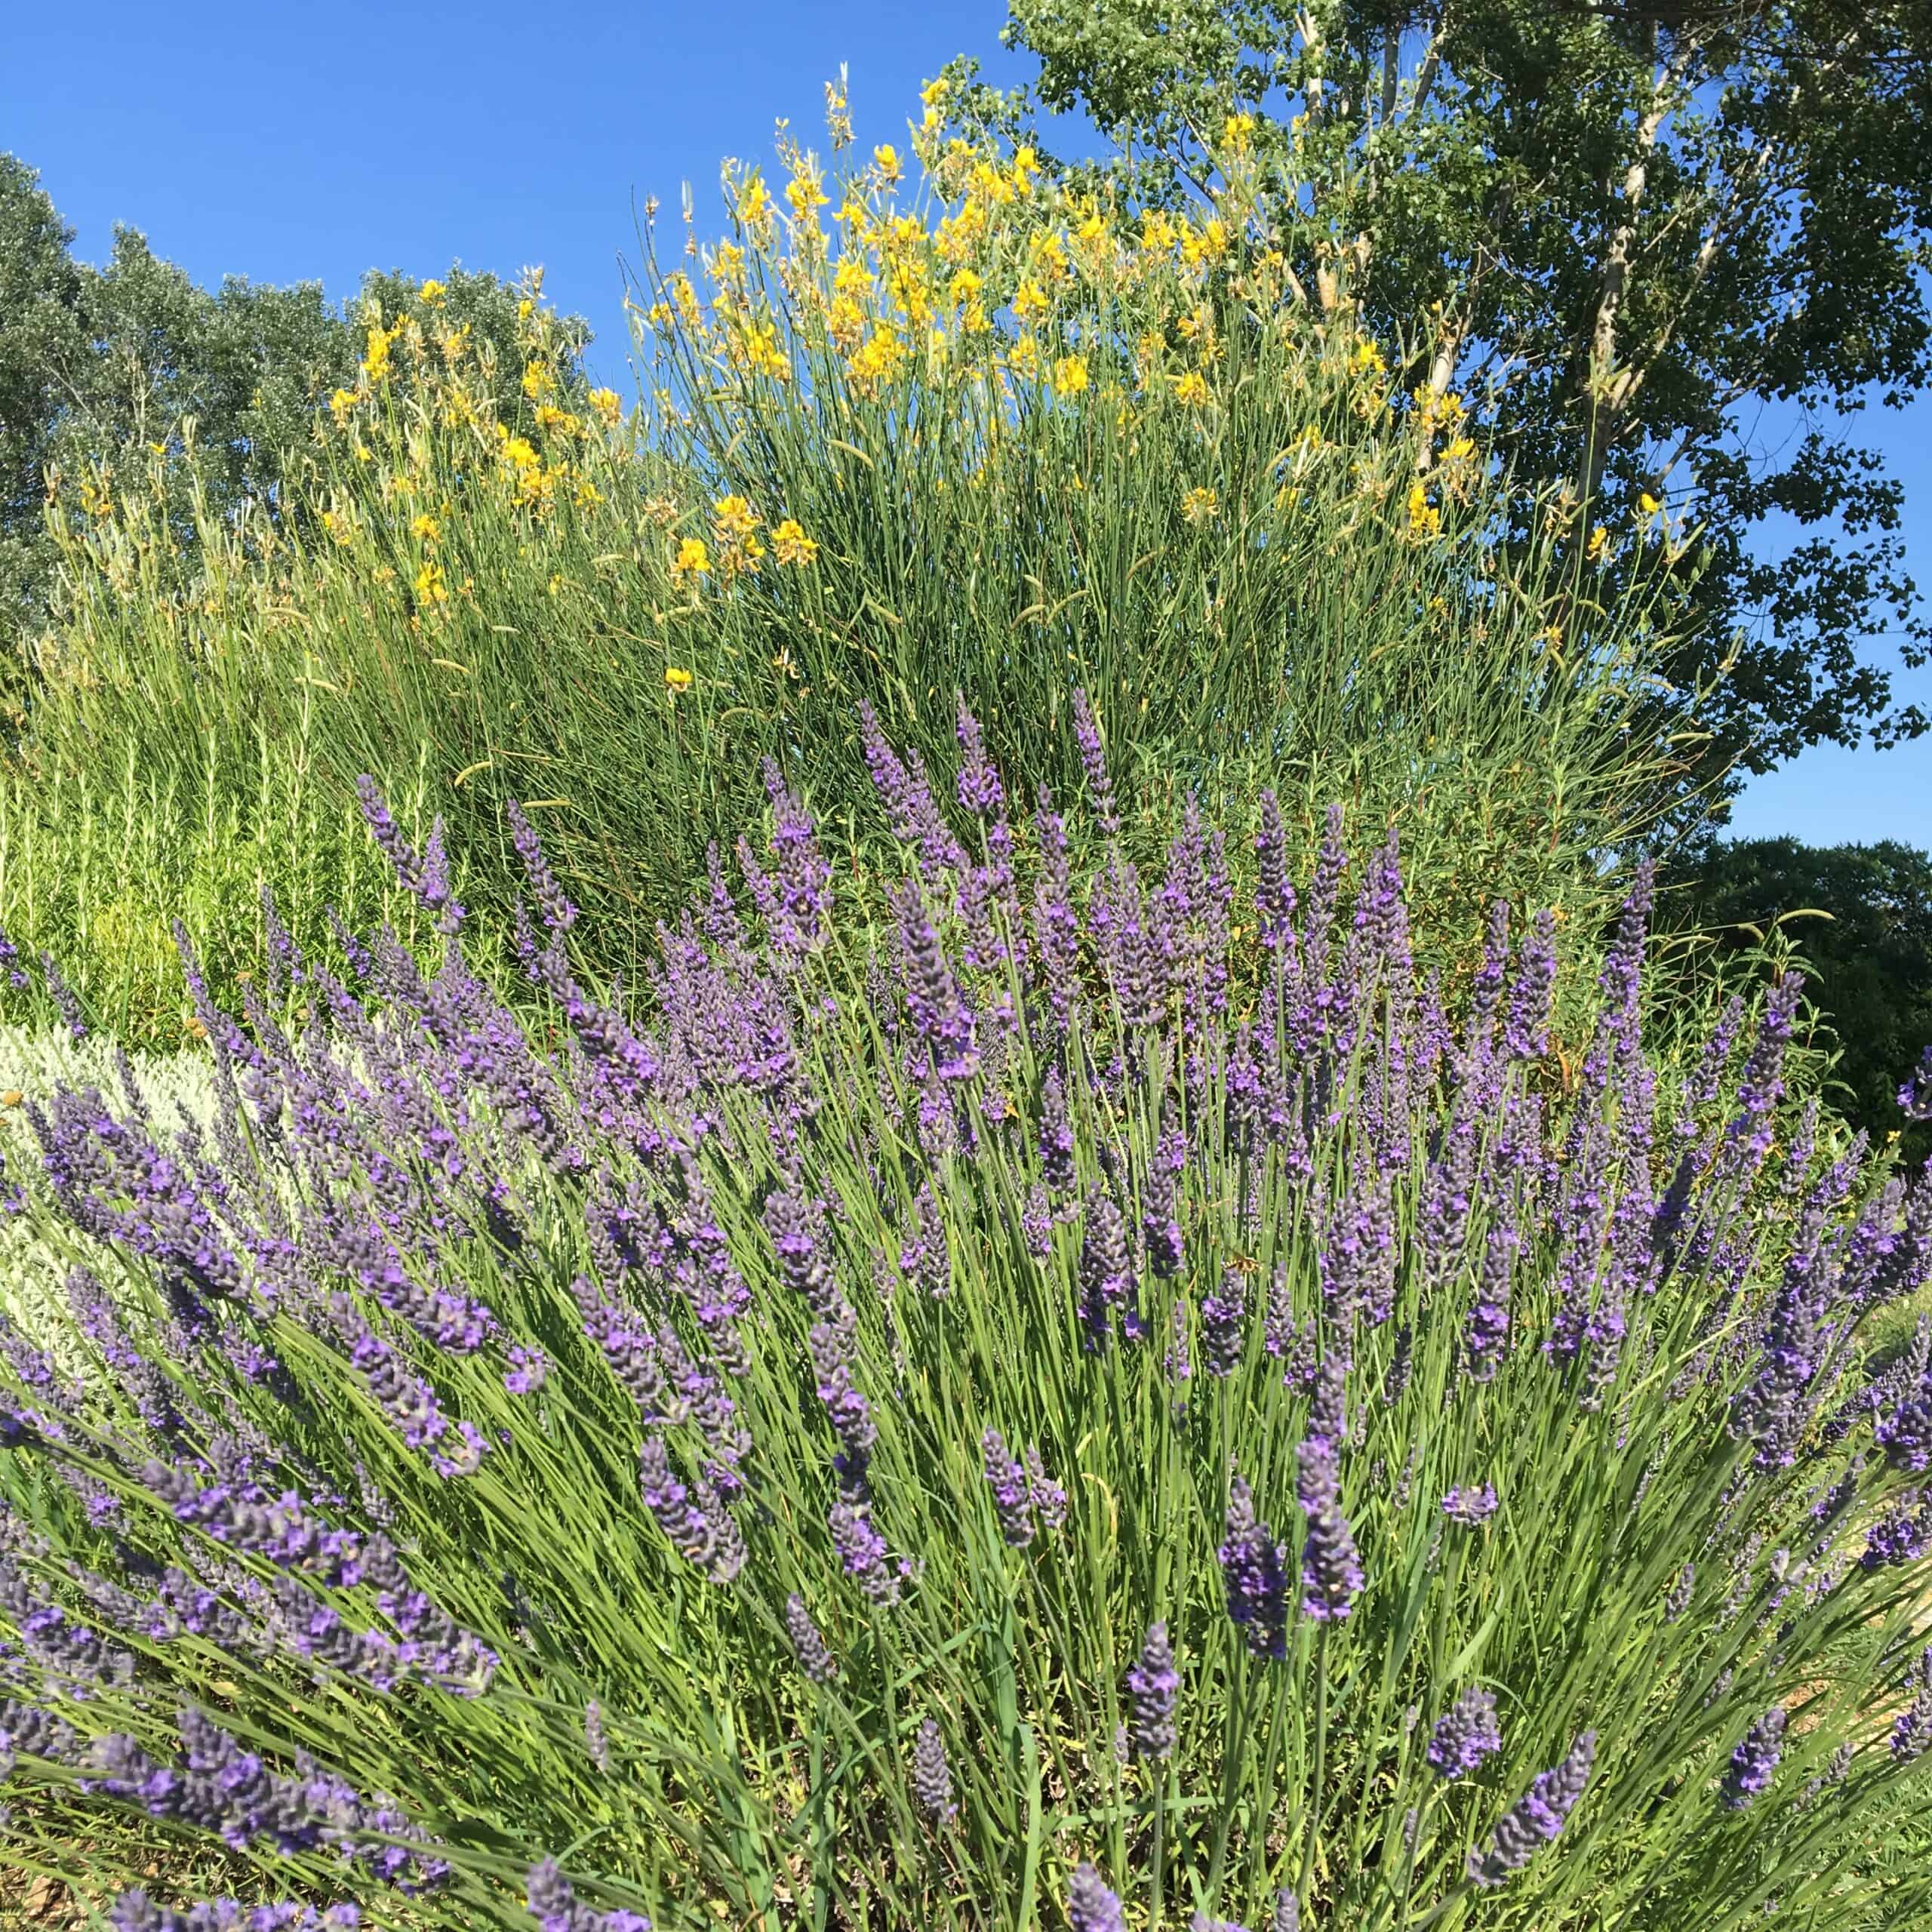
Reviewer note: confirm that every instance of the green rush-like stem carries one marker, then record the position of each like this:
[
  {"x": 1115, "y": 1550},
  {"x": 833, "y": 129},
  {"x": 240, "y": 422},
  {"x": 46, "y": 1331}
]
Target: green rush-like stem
[
  {"x": 1318, "y": 1766},
  {"x": 1233, "y": 1746}
]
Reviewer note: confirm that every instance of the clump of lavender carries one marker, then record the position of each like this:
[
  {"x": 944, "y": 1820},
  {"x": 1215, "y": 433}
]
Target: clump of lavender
[{"x": 465, "y": 1372}]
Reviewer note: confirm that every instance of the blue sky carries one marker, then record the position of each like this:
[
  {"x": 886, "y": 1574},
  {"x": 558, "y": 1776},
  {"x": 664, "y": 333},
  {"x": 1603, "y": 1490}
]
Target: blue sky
[{"x": 293, "y": 143}]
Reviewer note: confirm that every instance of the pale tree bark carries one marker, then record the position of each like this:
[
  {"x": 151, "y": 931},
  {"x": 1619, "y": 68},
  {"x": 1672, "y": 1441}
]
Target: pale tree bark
[{"x": 1607, "y": 389}]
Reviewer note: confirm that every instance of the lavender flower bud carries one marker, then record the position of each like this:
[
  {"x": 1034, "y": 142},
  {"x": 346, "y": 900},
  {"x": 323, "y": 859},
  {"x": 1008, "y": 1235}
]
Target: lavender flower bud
[
  {"x": 1466, "y": 1735},
  {"x": 814, "y": 1654},
  {"x": 1331, "y": 1574},
  {"x": 1755, "y": 1760},
  {"x": 932, "y": 1777},
  {"x": 1537, "y": 1817},
  {"x": 1091, "y": 1906},
  {"x": 1152, "y": 1684}
]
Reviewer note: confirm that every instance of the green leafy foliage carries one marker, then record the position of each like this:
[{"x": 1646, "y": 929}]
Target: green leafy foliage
[{"x": 1870, "y": 956}]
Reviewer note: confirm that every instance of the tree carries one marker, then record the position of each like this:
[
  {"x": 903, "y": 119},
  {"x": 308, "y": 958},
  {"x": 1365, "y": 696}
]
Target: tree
[
  {"x": 98, "y": 365},
  {"x": 1640, "y": 221},
  {"x": 41, "y": 335},
  {"x": 1872, "y": 957}
]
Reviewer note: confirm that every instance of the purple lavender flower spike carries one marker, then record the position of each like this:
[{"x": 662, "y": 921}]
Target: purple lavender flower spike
[
  {"x": 1274, "y": 896},
  {"x": 1465, "y": 1735},
  {"x": 1287, "y": 1912},
  {"x": 1048, "y": 1498},
  {"x": 931, "y": 990},
  {"x": 1224, "y": 1316},
  {"x": 1755, "y": 1762},
  {"x": 932, "y": 1776},
  {"x": 1093, "y": 760},
  {"x": 1537, "y": 1818},
  {"x": 1331, "y": 1573},
  {"x": 554, "y": 1905},
  {"x": 814, "y": 1654},
  {"x": 833, "y": 1346},
  {"x": 559, "y": 914},
  {"x": 980, "y": 791},
  {"x": 1152, "y": 1684},
  {"x": 700, "y": 1529},
  {"x": 1912, "y": 1730},
  {"x": 10, "y": 963},
  {"x": 1903, "y": 1535},
  {"x": 67, "y": 1002},
  {"x": 1107, "y": 1272},
  {"x": 1090, "y": 1905},
  {"x": 596, "y": 1741},
  {"x": 1056, "y": 1166},
  {"x": 1526, "y": 1026},
  {"x": 1160, "y": 1225},
  {"x": 1254, "y": 1574},
  {"x": 1761, "y": 1085},
  {"x": 864, "y": 1553},
  {"x": 1486, "y": 1336},
  {"x": 1012, "y": 1503}
]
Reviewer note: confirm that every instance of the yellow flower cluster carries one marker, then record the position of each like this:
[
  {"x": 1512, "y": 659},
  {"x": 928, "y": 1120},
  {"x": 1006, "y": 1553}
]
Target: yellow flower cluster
[
  {"x": 1424, "y": 518},
  {"x": 736, "y": 547},
  {"x": 985, "y": 271}
]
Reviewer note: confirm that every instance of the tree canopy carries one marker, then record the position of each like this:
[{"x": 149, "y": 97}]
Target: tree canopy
[
  {"x": 1632, "y": 226},
  {"x": 1871, "y": 959}
]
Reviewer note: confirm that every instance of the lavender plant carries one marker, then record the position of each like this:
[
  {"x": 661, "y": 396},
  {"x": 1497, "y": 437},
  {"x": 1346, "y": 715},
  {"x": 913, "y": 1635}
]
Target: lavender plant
[{"x": 974, "y": 1402}]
